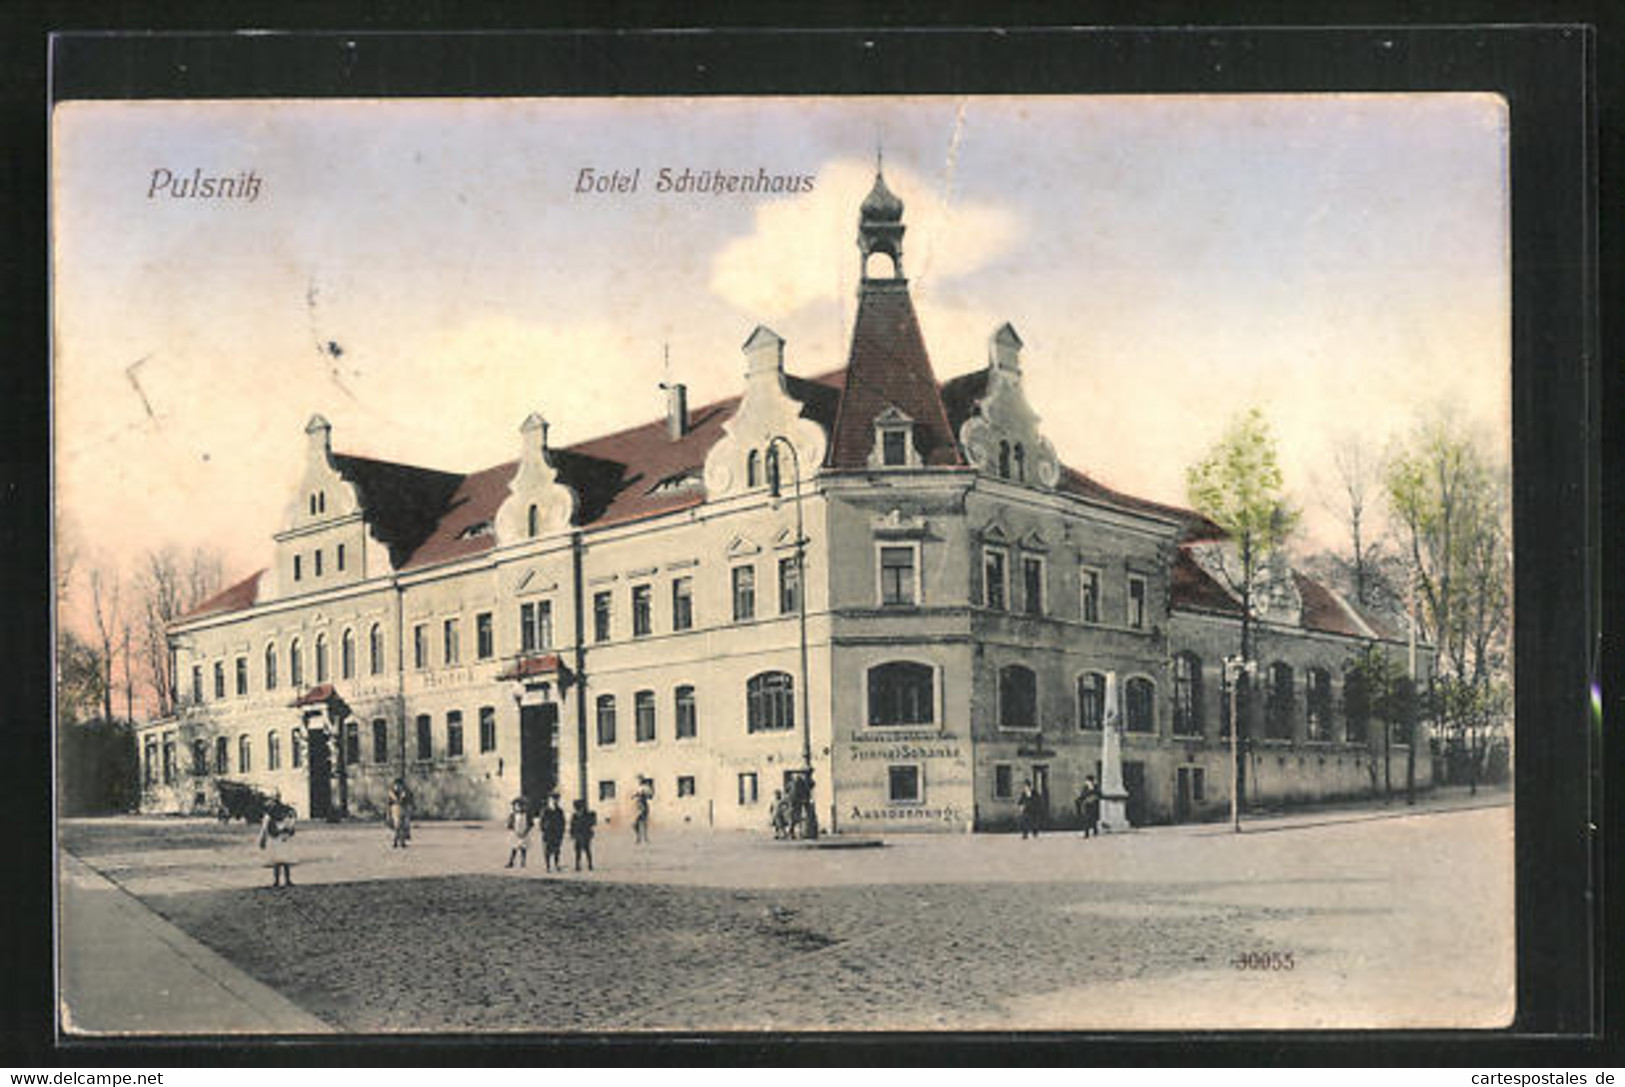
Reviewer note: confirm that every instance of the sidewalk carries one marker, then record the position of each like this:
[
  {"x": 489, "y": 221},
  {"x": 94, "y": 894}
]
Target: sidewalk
[{"x": 125, "y": 969}]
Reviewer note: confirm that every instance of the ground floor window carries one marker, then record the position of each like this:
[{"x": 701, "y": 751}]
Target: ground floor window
[
  {"x": 685, "y": 786},
  {"x": 1139, "y": 705},
  {"x": 454, "y": 734},
  {"x": 380, "y": 740},
  {"x": 222, "y": 755},
  {"x": 1004, "y": 779},
  {"x": 606, "y": 791},
  {"x": 273, "y": 751},
  {"x": 200, "y": 757},
  {"x": 903, "y": 784},
  {"x": 245, "y": 760},
  {"x": 770, "y": 702},
  {"x": 298, "y": 749},
  {"x": 747, "y": 788},
  {"x": 425, "y": 737},
  {"x": 901, "y": 693},
  {"x": 1091, "y": 699},
  {"x": 1018, "y": 697},
  {"x": 488, "y": 729},
  {"x": 352, "y": 742}
]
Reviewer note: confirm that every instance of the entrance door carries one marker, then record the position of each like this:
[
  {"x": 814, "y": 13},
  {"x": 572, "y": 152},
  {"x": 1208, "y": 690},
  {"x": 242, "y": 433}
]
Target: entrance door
[
  {"x": 1134, "y": 785},
  {"x": 1183, "y": 796},
  {"x": 321, "y": 773},
  {"x": 1041, "y": 787},
  {"x": 538, "y": 752}
]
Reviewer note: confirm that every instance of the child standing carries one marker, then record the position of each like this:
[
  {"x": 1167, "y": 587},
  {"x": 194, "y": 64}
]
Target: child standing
[
  {"x": 519, "y": 824},
  {"x": 276, "y": 832}
]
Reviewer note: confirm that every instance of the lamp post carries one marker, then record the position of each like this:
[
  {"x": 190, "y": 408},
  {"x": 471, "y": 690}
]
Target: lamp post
[
  {"x": 773, "y": 481},
  {"x": 1234, "y": 669}
]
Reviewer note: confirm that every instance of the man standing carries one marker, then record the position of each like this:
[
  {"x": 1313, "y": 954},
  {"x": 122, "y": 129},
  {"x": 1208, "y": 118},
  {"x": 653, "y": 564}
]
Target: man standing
[
  {"x": 640, "y": 818},
  {"x": 1089, "y": 807},
  {"x": 553, "y": 834},
  {"x": 1027, "y": 807},
  {"x": 582, "y": 821}
]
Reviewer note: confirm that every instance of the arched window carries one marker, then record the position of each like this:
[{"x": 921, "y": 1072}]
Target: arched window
[
  {"x": 222, "y": 755},
  {"x": 296, "y": 665},
  {"x": 1004, "y": 460},
  {"x": 902, "y": 693},
  {"x": 321, "y": 658},
  {"x": 1318, "y": 704},
  {"x": 200, "y": 757},
  {"x": 1278, "y": 713},
  {"x": 533, "y": 521},
  {"x": 270, "y": 667},
  {"x": 1187, "y": 694},
  {"x": 375, "y": 649},
  {"x": 1018, "y": 697},
  {"x": 380, "y": 740},
  {"x": 273, "y": 751},
  {"x": 770, "y": 702},
  {"x": 686, "y": 715},
  {"x": 347, "y": 654},
  {"x": 606, "y": 720},
  {"x": 753, "y": 468},
  {"x": 1091, "y": 700},
  {"x": 1021, "y": 463},
  {"x": 245, "y": 754},
  {"x": 1356, "y": 706},
  {"x": 1140, "y": 705},
  {"x": 643, "y": 716}
]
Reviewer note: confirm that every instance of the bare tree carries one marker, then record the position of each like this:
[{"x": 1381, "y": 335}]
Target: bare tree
[
  {"x": 170, "y": 584},
  {"x": 106, "y": 612},
  {"x": 1356, "y": 476}
]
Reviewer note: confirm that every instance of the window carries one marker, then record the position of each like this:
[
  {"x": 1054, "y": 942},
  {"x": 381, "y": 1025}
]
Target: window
[
  {"x": 451, "y": 641},
  {"x": 321, "y": 658},
  {"x": 298, "y": 569},
  {"x": 642, "y": 611},
  {"x": 169, "y": 758},
  {"x": 744, "y": 593},
  {"x": 1091, "y": 700},
  {"x": 687, "y": 723},
  {"x": 600, "y": 616},
  {"x": 1032, "y": 584},
  {"x": 903, "y": 784},
  {"x": 298, "y": 749},
  {"x": 899, "y": 583},
  {"x": 685, "y": 786},
  {"x": 313, "y": 504},
  {"x": 1278, "y": 711},
  {"x": 1136, "y": 602},
  {"x": 220, "y": 679},
  {"x": 222, "y": 755},
  {"x": 375, "y": 649},
  {"x": 643, "y": 716},
  {"x": 535, "y": 626},
  {"x": 454, "y": 734},
  {"x": 150, "y": 764},
  {"x": 1018, "y": 697},
  {"x": 902, "y": 693},
  {"x": 339, "y": 557},
  {"x": 772, "y": 462},
  {"x": 753, "y": 468},
  {"x": 352, "y": 742},
  {"x": 242, "y": 676},
  {"x": 533, "y": 521},
  {"x": 1198, "y": 784},
  {"x": 1021, "y": 463},
  {"x": 197, "y": 683},
  {"x": 1187, "y": 695},
  {"x": 789, "y": 585},
  {"x": 606, "y": 720},
  {"x": 1356, "y": 706},
  {"x": 682, "y": 603},
  {"x": 347, "y": 654},
  {"x": 488, "y": 729},
  {"x": 380, "y": 740},
  {"x": 894, "y": 447},
  {"x": 1139, "y": 705},
  {"x": 1318, "y": 704},
  {"x": 273, "y": 751},
  {"x": 270, "y": 667},
  {"x": 484, "y": 646},
  {"x": 425, "y": 736},
  {"x": 420, "y": 646},
  {"x": 245, "y": 755},
  {"x": 316, "y": 557},
  {"x": 296, "y": 664},
  {"x": 747, "y": 788},
  {"x": 1089, "y": 591},
  {"x": 200, "y": 758},
  {"x": 1004, "y": 779},
  {"x": 770, "y": 702},
  {"x": 993, "y": 586},
  {"x": 606, "y": 791}
]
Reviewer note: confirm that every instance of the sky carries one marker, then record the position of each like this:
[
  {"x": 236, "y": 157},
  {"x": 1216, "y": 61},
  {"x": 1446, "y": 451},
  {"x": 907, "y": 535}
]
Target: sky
[{"x": 425, "y": 274}]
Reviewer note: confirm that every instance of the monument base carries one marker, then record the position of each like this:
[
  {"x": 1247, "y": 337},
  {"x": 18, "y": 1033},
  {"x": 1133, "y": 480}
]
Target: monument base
[{"x": 1114, "y": 814}]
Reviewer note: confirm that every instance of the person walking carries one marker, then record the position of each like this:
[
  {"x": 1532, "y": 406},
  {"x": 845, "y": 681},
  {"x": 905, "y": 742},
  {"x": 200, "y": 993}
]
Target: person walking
[
  {"x": 582, "y": 821},
  {"x": 640, "y": 818},
  {"x": 781, "y": 815},
  {"x": 519, "y": 824},
  {"x": 1089, "y": 807},
  {"x": 276, "y": 835},
  {"x": 399, "y": 816},
  {"x": 552, "y": 834},
  {"x": 1027, "y": 810}
]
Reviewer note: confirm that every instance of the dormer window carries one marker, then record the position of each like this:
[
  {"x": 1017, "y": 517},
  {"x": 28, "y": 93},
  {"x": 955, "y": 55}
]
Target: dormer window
[
  {"x": 476, "y": 530},
  {"x": 893, "y": 447},
  {"x": 894, "y": 441}
]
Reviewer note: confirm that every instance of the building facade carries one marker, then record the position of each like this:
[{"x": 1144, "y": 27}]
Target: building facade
[{"x": 889, "y": 579}]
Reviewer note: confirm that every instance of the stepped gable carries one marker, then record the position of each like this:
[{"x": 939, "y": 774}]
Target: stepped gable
[
  {"x": 233, "y": 598},
  {"x": 888, "y": 367},
  {"x": 401, "y": 503}
]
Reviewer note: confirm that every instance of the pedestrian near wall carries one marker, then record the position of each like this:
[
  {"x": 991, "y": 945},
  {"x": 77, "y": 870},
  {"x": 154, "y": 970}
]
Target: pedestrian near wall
[
  {"x": 582, "y": 821},
  {"x": 640, "y": 818},
  {"x": 552, "y": 834},
  {"x": 1027, "y": 810},
  {"x": 519, "y": 824},
  {"x": 1089, "y": 807}
]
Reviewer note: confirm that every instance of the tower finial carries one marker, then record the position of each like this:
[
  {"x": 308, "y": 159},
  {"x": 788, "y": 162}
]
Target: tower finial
[
  {"x": 880, "y": 156},
  {"x": 880, "y": 224}
]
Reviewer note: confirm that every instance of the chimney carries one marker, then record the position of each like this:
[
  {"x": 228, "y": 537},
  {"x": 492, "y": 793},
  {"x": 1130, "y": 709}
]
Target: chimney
[
  {"x": 1004, "y": 351},
  {"x": 676, "y": 409}
]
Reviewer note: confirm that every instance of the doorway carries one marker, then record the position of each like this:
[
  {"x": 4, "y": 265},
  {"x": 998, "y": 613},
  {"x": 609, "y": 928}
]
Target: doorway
[
  {"x": 538, "y": 752},
  {"x": 1041, "y": 789},
  {"x": 1186, "y": 792},
  {"x": 1134, "y": 785},
  {"x": 321, "y": 773}
]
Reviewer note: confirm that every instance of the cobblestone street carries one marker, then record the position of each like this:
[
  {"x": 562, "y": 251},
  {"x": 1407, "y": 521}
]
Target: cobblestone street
[{"x": 1393, "y": 918}]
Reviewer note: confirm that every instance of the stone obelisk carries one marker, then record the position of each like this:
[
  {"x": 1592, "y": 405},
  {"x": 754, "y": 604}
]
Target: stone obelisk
[{"x": 1113, "y": 796}]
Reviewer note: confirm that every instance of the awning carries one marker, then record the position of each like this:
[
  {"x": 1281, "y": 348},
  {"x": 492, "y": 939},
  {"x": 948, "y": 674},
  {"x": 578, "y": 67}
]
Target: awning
[
  {"x": 316, "y": 696},
  {"x": 546, "y": 664}
]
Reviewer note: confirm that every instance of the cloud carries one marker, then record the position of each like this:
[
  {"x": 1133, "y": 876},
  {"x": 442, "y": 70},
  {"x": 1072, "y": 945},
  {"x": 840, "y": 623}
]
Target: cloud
[{"x": 803, "y": 250}]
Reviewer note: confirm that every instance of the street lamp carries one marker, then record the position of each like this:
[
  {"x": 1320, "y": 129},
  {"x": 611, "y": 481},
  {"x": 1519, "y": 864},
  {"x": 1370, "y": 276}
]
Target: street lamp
[
  {"x": 1234, "y": 668},
  {"x": 773, "y": 483}
]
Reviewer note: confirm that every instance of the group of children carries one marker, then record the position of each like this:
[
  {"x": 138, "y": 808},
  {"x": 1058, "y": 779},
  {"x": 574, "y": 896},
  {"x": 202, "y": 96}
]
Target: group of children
[{"x": 582, "y": 826}]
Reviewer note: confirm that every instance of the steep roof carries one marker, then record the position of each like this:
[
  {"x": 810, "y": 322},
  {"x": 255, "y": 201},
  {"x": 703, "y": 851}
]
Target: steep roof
[
  {"x": 1194, "y": 587},
  {"x": 401, "y": 502},
  {"x": 232, "y": 598},
  {"x": 888, "y": 367},
  {"x": 1323, "y": 609}
]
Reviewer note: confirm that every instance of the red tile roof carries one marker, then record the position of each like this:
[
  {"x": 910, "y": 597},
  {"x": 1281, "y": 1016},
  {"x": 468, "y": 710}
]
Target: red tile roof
[
  {"x": 888, "y": 367},
  {"x": 314, "y": 697},
  {"x": 1196, "y": 527},
  {"x": 1194, "y": 587},
  {"x": 1326, "y": 610},
  {"x": 234, "y": 598}
]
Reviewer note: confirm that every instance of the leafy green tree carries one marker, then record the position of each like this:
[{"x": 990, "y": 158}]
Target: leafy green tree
[{"x": 1238, "y": 486}]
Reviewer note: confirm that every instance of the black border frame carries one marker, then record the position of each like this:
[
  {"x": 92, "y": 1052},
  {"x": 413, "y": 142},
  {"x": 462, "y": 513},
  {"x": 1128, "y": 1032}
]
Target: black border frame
[{"x": 1546, "y": 74}]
